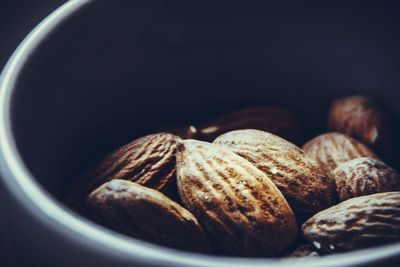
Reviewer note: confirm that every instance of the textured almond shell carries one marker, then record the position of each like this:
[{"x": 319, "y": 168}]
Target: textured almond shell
[
  {"x": 365, "y": 119},
  {"x": 237, "y": 204},
  {"x": 147, "y": 214},
  {"x": 149, "y": 161},
  {"x": 356, "y": 223},
  {"x": 365, "y": 176},
  {"x": 307, "y": 188},
  {"x": 331, "y": 149},
  {"x": 277, "y": 120}
]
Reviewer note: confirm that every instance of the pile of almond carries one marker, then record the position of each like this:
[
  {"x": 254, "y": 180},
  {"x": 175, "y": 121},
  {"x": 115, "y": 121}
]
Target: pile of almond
[{"x": 238, "y": 185}]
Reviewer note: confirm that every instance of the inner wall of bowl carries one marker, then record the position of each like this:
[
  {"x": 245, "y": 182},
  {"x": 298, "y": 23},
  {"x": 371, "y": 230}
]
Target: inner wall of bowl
[{"x": 120, "y": 69}]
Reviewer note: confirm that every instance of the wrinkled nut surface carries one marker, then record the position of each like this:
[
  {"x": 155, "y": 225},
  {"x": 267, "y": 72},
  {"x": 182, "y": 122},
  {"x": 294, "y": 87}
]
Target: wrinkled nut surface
[
  {"x": 237, "y": 204},
  {"x": 147, "y": 214},
  {"x": 277, "y": 120},
  {"x": 303, "y": 251},
  {"x": 356, "y": 223},
  {"x": 363, "y": 118},
  {"x": 365, "y": 176},
  {"x": 307, "y": 188},
  {"x": 149, "y": 161},
  {"x": 331, "y": 149}
]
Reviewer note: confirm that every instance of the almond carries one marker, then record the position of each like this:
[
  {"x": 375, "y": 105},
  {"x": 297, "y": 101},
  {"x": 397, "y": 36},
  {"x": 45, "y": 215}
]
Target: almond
[
  {"x": 237, "y": 204},
  {"x": 356, "y": 223},
  {"x": 277, "y": 120},
  {"x": 331, "y": 149},
  {"x": 366, "y": 119},
  {"x": 307, "y": 188},
  {"x": 365, "y": 176},
  {"x": 149, "y": 161},
  {"x": 146, "y": 214}
]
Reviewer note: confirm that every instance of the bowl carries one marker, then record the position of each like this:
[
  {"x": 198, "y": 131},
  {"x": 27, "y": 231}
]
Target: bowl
[{"x": 95, "y": 74}]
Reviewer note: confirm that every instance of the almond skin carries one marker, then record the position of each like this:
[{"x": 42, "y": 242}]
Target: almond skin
[
  {"x": 307, "y": 188},
  {"x": 365, "y": 119},
  {"x": 237, "y": 204},
  {"x": 149, "y": 161},
  {"x": 277, "y": 120},
  {"x": 146, "y": 214},
  {"x": 331, "y": 149},
  {"x": 365, "y": 176},
  {"x": 356, "y": 223}
]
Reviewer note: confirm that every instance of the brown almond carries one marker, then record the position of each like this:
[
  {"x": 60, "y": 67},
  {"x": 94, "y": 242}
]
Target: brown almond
[
  {"x": 244, "y": 213},
  {"x": 307, "y": 188},
  {"x": 146, "y": 214},
  {"x": 277, "y": 120},
  {"x": 365, "y": 119},
  {"x": 148, "y": 161},
  {"x": 356, "y": 223},
  {"x": 331, "y": 149},
  {"x": 365, "y": 176}
]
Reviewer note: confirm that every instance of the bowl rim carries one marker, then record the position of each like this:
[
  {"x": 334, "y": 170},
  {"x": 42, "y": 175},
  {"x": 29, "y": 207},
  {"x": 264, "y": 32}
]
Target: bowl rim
[{"x": 50, "y": 213}]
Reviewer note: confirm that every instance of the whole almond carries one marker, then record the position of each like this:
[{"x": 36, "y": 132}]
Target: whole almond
[
  {"x": 303, "y": 251},
  {"x": 146, "y": 214},
  {"x": 307, "y": 188},
  {"x": 149, "y": 161},
  {"x": 356, "y": 223},
  {"x": 277, "y": 120},
  {"x": 237, "y": 204},
  {"x": 365, "y": 176},
  {"x": 331, "y": 149},
  {"x": 366, "y": 119}
]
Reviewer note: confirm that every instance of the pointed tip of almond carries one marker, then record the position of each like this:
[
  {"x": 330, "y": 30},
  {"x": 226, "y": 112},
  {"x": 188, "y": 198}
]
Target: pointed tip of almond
[
  {"x": 184, "y": 145},
  {"x": 180, "y": 146}
]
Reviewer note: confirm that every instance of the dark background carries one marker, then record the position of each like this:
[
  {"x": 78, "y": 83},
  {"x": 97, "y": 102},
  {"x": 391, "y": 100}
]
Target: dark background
[{"x": 17, "y": 19}]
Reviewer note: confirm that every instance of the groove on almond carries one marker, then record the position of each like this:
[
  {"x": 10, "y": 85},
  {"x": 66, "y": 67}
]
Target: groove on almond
[
  {"x": 307, "y": 188},
  {"x": 356, "y": 223},
  {"x": 148, "y": 161},
  {"x": 147, "y": 214},
  {"x": 331, "y": 149},
  {"x": 238, "y": 205}
]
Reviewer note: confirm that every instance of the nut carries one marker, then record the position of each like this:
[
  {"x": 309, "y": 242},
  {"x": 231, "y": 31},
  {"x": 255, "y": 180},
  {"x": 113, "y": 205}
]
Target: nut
[
  {"x": 307, "y": 188},
  {"x": 149, "y": 161},
  {"x": 246, "y": 187},
  {"x": 331, "y": 149},
  {"x": 364, "y": 118},
  {"x": 147, "y": 214},
  {"x": 244, "y": 213},
  {"x": 356, "y": 223},
  {"x": 365, "y": 176},
  {"x": 277, "y": 120}
]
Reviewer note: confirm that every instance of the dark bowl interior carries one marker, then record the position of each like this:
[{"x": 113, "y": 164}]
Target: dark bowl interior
[{"x": 120, "y": 69}]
